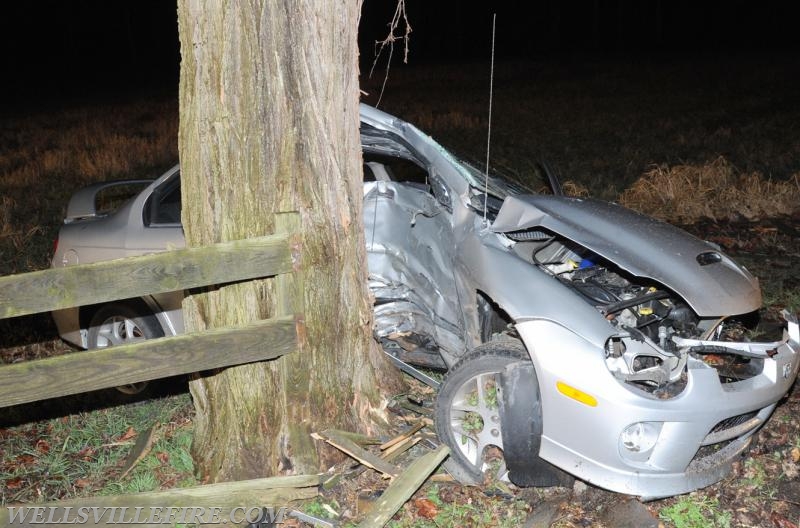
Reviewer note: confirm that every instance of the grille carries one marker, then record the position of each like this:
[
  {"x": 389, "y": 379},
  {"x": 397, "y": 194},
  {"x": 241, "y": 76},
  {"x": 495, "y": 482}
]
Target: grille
[
  {"x": 733, "y": 421},
  {"x": 717, "y": 457},
  {"x": 732, "y": 427}
]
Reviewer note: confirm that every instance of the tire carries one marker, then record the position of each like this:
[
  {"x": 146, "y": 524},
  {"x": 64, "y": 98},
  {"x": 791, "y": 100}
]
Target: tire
[
  {"x": 468, "y": 420},
  {"x": 122, "y": 324}
]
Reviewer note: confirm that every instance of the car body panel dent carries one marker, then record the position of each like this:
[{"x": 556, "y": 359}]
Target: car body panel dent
[
  {"x": 410, "y": 259},
  {"x": 531, "y": 296}
]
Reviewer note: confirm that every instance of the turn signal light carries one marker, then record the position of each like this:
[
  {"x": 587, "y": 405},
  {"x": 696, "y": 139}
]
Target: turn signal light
[{"x": 576, "y": 394}]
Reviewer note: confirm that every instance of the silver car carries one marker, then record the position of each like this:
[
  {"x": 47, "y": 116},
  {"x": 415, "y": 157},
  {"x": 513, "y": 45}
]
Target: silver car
[{"x": 579, "y": 338}]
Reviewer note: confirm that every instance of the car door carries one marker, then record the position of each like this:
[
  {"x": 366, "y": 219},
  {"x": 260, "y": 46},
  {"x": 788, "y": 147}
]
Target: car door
[
  {"x": 155, "y": 226},
  {"x": 155, "y": 223},
  {"x": 410, "y": 250}
]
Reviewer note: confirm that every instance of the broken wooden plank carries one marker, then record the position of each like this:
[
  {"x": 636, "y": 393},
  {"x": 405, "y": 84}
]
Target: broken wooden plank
[
  {"x": 414, "y": 419},
  {"x": 398, "y": 449},
  {"x": 330, "y": 481},
  {"x": 403, "y": 436},
  {"x": 310, "y": 519},
  {"x": 360, "y": 439},
  {"x": 419, "y": 409},
  {"x": 144, "y": 443},
  {"x": 403, "y": 487},
  {"x": 343, "y": 443}
]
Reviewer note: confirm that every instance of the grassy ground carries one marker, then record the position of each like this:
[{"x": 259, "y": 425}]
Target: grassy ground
[
  {"x": 726, "y": 127},
  {"x": 84, "y": 453}
]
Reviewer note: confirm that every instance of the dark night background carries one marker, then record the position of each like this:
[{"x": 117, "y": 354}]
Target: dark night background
[{"x": 85, "y": 49}]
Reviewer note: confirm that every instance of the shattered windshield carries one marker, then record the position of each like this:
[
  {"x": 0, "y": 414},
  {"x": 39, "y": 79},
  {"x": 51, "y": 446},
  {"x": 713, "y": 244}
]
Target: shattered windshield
[{"x": 497, "y": 185}]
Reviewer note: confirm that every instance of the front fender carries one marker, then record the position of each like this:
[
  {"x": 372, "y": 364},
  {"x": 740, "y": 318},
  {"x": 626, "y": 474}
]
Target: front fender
[{"x": 525, "y": 292}]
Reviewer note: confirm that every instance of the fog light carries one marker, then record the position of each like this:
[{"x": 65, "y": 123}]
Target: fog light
[{"x": 640, "y": 438}]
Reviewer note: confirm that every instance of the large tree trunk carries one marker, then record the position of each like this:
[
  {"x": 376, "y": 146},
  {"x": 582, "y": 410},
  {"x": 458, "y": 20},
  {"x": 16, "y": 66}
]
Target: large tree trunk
[{"x": 269, "y": 123}]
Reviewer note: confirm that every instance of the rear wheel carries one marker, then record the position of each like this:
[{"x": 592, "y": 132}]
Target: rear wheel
[
  {"x": 121, "y": 324},
  {"x": 468, "y": 410}
]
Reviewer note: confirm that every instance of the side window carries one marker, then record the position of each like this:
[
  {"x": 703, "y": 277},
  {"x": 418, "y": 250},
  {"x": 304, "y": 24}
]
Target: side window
[
  {"x": 164, "y": 205},
  {"x": 387, "y": 168},
  {"x": 396, "y": 169}
]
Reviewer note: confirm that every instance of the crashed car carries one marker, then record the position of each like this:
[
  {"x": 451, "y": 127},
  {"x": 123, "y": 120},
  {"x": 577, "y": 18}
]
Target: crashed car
[{"x": 579, "y": 338}]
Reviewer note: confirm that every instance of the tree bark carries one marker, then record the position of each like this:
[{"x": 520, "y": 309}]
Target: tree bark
[{"x": 269, "y": 123}]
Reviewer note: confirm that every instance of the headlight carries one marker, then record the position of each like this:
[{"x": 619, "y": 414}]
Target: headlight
[{"x": 641, "y": 364}]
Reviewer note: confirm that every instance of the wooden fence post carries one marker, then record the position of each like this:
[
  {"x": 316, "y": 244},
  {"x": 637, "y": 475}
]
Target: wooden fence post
[{"x": 289, "y": 286}]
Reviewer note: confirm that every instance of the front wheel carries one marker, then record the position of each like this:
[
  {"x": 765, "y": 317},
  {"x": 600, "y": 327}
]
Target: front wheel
[
  {"x": 468, "y": 410},
  {"x": 120, "y": 324}
]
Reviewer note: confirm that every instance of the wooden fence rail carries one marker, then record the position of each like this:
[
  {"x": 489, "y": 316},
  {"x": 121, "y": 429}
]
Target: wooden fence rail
[
  {"x": 137, "y": 276},
  {"x": 147, "y": 360},
  {"x": 180, "y": 269}
]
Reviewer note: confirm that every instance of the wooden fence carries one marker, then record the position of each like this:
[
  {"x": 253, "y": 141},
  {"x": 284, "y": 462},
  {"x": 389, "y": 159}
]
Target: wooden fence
[
  {"x": 182, "y": 269},
  {"x": 132, "y": 277}
]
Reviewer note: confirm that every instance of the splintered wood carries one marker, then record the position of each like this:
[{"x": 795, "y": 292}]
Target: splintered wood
[
  {"x": 339, "y": 440},
  {"x": 404, "y": 482},
  {"x": 354, "y": 446}
]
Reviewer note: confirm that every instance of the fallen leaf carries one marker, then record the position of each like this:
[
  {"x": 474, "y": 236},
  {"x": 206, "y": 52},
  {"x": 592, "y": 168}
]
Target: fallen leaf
[
  {"x": 81, "y": 483},
  {"x": 724, "y": 241},
  {"x": 130, "y": 433},
  {"x": 42, "y": 446},
  {"x": 86, "y": 453},
  {"x": 163, "y": 457},
  {"x": 13, "y": 484},
  {"x": 426, "y": 508},
  {"x": 25, "y": 460},
  {"x": 795, "y": 455},
  {"x": 779, "y": 521}
]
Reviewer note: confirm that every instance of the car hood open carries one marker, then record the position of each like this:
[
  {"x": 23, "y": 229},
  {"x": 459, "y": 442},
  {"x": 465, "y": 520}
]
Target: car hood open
[{"x": 710, "y": 282}]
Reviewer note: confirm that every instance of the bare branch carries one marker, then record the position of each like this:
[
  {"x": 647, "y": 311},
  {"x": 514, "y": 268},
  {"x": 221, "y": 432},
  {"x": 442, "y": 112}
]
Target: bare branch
[{"x": 388, "y": 43}]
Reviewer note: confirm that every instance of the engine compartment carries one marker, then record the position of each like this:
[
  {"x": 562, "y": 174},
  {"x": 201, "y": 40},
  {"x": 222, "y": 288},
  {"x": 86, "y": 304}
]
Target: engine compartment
[{"x": 659, "y": 337}]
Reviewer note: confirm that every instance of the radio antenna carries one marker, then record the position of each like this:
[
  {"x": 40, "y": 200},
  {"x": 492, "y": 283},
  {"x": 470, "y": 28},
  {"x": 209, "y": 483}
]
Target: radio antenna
[{"x": 489, "y": 134}]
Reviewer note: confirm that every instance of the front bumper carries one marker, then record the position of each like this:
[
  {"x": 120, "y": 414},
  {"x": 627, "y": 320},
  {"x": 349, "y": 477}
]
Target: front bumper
[{"x": 696, "y": 435}]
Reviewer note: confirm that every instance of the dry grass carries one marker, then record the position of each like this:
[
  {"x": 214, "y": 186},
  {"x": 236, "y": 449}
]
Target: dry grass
[
  {"x": 572, "y": 188},
  {"x": 46, "y": 157},
  {"x": 87, "y": 145},
  {"x": 686, "y": 193}
]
